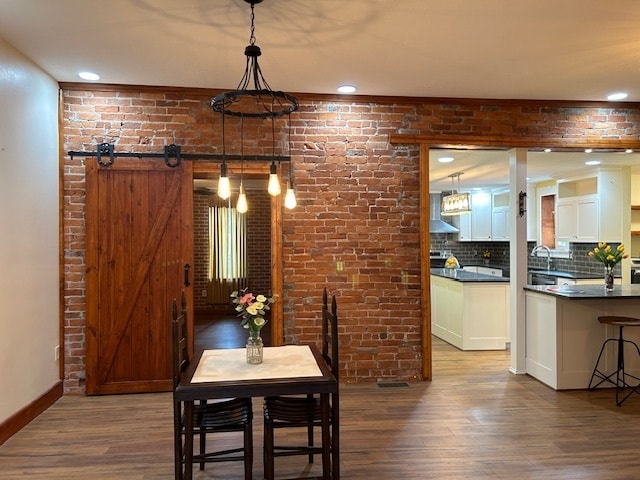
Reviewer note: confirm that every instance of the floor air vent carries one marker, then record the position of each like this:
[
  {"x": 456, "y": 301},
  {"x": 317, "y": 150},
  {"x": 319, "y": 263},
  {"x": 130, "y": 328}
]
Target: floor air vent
[{"x": 392, "y": 384}]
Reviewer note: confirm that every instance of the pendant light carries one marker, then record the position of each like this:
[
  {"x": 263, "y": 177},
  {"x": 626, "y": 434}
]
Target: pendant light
[
  {"x": 274, "y": 182},
  {"x": 224, "y": 188},
  {"x": 290, "y": 197},
  {"x": 457, "y": 203},
  {"x": 253, "y": 98},
  {"x": 242, "y": 205}
]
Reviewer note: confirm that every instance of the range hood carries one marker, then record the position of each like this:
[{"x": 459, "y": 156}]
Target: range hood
[{"x": 436, "y": 224}]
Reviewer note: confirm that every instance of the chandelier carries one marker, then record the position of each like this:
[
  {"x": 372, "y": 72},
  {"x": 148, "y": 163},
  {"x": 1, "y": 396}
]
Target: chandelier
[
  {"x": 254, "y": 98},
  {"x": 457, "y": 203}
]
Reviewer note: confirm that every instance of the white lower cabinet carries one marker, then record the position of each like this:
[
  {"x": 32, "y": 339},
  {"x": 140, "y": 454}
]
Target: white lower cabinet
[{"x": 470, "y": 315}]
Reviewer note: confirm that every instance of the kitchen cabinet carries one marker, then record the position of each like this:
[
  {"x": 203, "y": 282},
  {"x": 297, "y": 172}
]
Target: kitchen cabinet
[
  {"x": 476, "y": 226},
  {"x": 500, "y": 216},
  {"x": 589, "y": 209},
  {"x": 577, "y": 219}
]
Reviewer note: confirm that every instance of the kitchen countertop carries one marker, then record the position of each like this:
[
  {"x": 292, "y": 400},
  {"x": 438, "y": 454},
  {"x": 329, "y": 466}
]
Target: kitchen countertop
[
  {"x": 460, "y": 275},
  {"x": 586, "y": 292}
]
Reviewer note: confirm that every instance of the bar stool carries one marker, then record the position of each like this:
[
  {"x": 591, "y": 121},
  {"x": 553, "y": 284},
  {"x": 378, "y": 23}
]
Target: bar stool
[{"x": 620, "y": 375}]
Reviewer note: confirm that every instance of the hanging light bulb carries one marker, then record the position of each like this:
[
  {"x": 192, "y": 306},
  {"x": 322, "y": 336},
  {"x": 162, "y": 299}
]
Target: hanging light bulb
[
  {"x": 242, "y": 206},
  {"x": 274, "y": 181},
  {"x": 224, "y": 188},
  {"x": 290, "y": 197}
]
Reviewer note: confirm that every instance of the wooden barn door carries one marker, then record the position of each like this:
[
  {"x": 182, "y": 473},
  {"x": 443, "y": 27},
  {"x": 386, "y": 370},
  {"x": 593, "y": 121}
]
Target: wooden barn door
[{"x": 139, "y": 239}]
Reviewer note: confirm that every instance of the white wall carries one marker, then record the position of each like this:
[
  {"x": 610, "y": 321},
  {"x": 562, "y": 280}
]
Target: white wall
[{"x": 29, "y": 232}]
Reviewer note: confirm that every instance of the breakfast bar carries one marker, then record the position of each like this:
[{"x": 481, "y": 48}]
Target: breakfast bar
[{"x": 564, "y": 337}]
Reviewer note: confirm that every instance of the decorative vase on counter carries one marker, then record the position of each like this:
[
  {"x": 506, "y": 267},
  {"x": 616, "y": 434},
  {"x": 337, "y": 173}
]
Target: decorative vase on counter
[
  {"x": 608, "y": 279},
  {"x": 254, "y": 349}
]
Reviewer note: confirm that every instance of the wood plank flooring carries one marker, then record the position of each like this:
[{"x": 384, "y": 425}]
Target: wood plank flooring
[{"x": 473, "y": 421}]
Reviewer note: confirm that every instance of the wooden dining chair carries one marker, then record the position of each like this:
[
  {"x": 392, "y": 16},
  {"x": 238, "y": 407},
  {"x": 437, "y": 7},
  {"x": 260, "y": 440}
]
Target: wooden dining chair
[
  {"x": 306, "y": 411},
  {"x": 229, "y": 415}
]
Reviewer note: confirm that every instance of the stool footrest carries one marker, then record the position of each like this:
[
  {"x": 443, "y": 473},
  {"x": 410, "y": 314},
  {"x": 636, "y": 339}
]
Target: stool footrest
[{"x": 619, "y": 377}]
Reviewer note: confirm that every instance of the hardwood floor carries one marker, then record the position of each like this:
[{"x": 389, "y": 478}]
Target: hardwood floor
[
  {"x": 223, "y": 330},
  {"x": 473, "y": 421}
]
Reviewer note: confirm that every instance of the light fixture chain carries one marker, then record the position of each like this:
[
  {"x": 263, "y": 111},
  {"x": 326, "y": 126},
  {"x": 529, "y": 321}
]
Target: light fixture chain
[{"x": 252, "y": 36}]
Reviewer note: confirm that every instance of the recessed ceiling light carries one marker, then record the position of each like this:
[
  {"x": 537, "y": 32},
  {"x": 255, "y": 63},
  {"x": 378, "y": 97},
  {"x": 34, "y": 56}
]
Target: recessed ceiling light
[
  {"x": 592, "y": 162},
  {"x": 346, "y": 89},
  {"x": 445, "y": 159},
  {"x": 547, "y": 150},
  {"x": 616, "y": 96},
  {"x": 89, "y": 76},
  {"x": 588, "y": 150},
  {"x": 628, "y": 150}
]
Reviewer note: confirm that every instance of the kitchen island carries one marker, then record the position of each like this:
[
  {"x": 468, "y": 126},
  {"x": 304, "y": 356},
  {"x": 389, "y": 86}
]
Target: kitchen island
[
  {"x": 470, "y": 310},
  {"x": 564, "y": 337}
]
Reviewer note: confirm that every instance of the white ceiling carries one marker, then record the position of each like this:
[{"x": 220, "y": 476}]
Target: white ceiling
[
  {"x": 511, "y": 49},
  {"x": 490, "y": 169}
]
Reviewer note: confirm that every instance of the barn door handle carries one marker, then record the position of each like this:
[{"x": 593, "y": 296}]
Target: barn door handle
[{"x": 186, "y": 274}]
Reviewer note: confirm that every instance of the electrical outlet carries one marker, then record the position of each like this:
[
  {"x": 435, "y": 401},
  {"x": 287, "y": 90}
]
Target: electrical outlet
[
  {"x": 56, "y": 352},
  {"x": 203, "y": 293}
]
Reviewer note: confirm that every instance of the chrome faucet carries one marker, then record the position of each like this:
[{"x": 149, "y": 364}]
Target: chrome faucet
[{"x": 546, "y": 249}]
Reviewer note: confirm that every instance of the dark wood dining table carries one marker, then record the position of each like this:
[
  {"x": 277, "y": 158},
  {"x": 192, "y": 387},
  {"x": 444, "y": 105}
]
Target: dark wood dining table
[{"x": 285, "y": 370}]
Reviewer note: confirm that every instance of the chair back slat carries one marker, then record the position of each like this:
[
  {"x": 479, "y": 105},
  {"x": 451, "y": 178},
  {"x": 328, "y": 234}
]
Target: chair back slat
[
  {"x": 330, "y": 333},
  {"x": 180, "y": 339}
]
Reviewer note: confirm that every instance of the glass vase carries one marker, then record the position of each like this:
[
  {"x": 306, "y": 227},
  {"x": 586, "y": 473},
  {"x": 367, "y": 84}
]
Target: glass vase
[
  {"x": 254, "y": 349},
  {"x": 608, "y": 279}
]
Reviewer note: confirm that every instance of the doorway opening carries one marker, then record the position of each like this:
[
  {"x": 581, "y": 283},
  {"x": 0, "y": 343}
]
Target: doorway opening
[{"x": 216, "y": 324}]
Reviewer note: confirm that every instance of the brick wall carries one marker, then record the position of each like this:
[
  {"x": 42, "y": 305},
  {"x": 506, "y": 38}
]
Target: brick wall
[
  {"x": 200, "y": 250},
  {"x": 356, "y": 227}
]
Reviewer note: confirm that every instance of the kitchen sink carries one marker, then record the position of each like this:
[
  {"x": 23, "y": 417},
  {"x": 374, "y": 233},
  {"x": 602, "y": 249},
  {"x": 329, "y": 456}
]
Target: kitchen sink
[
  {"x": 539, "y": 278},
  {"x": 546, "y": 277}
]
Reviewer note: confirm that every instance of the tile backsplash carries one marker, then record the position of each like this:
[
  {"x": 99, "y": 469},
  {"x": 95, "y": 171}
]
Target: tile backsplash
[{"x": 470, "y": 253}]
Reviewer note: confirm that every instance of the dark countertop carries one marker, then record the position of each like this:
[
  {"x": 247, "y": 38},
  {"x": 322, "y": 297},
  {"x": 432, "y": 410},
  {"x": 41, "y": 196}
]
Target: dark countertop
[
  {"x": 559, "y": 274},
  {"x": 586, "y": 292},
  {"x": 551, "y": 273},
  {"x": 460, "y": 275}
]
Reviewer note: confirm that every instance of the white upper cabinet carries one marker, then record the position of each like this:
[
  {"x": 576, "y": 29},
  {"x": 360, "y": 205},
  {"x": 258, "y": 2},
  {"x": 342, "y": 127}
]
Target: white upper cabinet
[
  {"x": 500, "y": 216},
  {"x": 481, "y": 216},
  {"x": 577, "y": 219},
  {"x": 476, "y": 226},
  {"x": 589, "y": 209}
]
